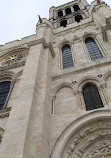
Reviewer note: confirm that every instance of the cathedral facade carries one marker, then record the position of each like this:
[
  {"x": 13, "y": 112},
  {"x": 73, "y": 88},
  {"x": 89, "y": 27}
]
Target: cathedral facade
[{"x": 55, "y": 86}]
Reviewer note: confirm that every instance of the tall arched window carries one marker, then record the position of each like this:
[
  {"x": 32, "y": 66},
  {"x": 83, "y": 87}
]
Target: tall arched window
[
  {"x": 4, "y": 90},
  {"x": 92, "y": 98},
  {"x": 93, "y": 49},
  {"x": 67, "y": 57}
]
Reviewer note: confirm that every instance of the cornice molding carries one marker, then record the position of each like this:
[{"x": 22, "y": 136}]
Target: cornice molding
[
  {"x": 27, "y": 46},
  {"x": 82, "y": 67},
  {"x": 42, "y": 41}
]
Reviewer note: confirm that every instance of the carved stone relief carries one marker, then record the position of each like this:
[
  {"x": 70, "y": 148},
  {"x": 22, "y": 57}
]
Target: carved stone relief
[
  {"x": 78, "y": 33},
  {"x": 14, "y": 58},
  {"x": 91, "y": 141}
]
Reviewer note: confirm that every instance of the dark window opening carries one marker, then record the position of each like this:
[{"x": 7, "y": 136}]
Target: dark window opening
[
  {"x": 68, "y": 11},
  {"x": 92, "y": 98},
  {"x": 67, "y": 57},
  {"x": 93, "y": 49},
  {"x": 60, "y": 13},
  {"x": 76, "y": 8},
  {"x": 63, "y": 23},
  {"x": 78, "y": 18},
  {"x": 4, "y": 90}
]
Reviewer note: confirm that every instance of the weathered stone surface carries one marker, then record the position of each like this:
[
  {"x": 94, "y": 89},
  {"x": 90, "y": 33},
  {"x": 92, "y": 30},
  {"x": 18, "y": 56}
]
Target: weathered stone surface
[{"x": 45, "y": 114}]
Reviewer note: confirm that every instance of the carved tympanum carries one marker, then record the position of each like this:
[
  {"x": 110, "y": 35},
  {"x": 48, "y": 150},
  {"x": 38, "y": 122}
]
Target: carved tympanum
[{"x": 93, "y": 140}]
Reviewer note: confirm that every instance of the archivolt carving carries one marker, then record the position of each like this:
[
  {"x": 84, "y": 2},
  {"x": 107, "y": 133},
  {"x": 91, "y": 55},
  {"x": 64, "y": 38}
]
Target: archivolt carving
[
  {"x": 101, "y": 149},
  {"x": 89, "y": 139},
  {"x": 7, "y": 75},
  {"x": 85, "y": 142}
]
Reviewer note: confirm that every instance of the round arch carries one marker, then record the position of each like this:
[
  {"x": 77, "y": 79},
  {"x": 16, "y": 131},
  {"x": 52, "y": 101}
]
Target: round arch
[
  {"x": 98, "y": 82},
  {"x": 61, "y": 85},
  {"x": 85, "y": 137},
  {"x": 88, "y": 79}
]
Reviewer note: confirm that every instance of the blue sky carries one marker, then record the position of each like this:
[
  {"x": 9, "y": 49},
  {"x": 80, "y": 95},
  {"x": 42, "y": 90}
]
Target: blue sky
[{"x": 18, "y": 18}]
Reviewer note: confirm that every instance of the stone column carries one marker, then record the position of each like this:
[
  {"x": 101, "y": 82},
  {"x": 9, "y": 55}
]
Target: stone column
[
  {"x": 79, "y": 98},
  {"x": 53, "y": 104},
  {"x": 103, "y": 93},
  {"x": 64, "y": 13},
  {"x": 28, "y": 129},
  {"x": 14, "y": 137}
]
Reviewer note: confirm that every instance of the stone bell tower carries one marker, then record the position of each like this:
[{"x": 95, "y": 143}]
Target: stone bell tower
[
  {"x": 55, "y": 86},
  {"x": 69, "y": 13}
]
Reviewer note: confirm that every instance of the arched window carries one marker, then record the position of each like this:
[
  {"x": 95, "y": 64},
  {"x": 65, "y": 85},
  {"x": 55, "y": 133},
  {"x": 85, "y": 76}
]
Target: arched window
[
  {"x": 68, "y": 11},
  {"x": 63, "y": 23},
  {"x": 78, "y": 18},
  {"x": 76, "y": 8},
  {"x": 4, "y": 90},
  {"x": 67, "y": 57},
  {"x": 60, "y": 13},
  {"x": 93, "y": 49},
  {"x": 92, "y": 98}
]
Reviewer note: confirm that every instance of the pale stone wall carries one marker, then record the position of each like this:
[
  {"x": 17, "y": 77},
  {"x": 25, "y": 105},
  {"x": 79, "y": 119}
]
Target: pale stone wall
[
  {"x": 68, "y": 104},
  {"x": 47, "y": 100}
]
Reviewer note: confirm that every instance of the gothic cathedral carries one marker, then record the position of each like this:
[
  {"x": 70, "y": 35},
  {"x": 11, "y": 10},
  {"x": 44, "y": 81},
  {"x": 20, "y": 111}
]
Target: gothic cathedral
[{"x": 55, "y": 86}]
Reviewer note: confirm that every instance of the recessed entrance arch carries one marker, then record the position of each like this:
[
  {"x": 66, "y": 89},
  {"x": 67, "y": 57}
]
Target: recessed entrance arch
[{"x": 86, "y": 137}]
